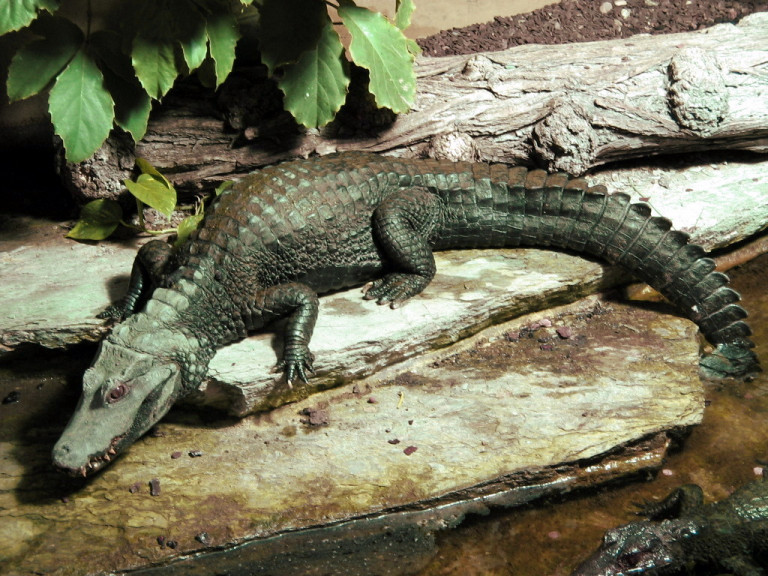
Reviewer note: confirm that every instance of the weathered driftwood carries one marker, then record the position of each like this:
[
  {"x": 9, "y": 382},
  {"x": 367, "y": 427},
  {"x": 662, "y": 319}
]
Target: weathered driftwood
[{"x": 567, "y": 108}]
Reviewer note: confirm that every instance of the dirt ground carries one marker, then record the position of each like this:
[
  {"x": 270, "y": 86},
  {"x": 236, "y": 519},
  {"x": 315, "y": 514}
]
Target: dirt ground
[{"x": 586, "y": 20}]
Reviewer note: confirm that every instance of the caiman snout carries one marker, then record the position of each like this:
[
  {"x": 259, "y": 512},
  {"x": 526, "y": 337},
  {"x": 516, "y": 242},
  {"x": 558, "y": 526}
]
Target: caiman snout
[
  {"x": 125, "y": 393},
  {"x": 67, "y": 460}
]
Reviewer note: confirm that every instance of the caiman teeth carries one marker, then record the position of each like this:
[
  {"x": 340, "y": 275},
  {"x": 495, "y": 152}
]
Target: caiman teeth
[
  {"x": 83, "y": 472},
  {"x": 112, "y": 451}
]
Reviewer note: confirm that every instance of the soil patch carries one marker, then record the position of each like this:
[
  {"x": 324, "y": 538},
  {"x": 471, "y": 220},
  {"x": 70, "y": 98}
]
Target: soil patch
[{"x": 587, "y": 20}]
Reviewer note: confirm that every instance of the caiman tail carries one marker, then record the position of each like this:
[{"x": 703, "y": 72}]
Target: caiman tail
[{"x": 533, "y": 208}]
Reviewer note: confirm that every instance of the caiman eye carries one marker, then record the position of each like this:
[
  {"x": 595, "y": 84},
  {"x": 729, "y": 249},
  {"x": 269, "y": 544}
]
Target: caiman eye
[{"x": 117, "y": 392}]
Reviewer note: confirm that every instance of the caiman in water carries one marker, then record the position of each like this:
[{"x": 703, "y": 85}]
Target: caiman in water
[
  {"x": 730, "y": 535},
  {"x": 286, "y": 233}
]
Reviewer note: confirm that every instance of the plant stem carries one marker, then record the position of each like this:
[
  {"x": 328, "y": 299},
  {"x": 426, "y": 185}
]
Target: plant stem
[
  {"x": 88, "y": 18},
  {"x": 140, "y": 211}
]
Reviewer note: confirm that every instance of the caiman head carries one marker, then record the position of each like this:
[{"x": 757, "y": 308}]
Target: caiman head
[
  {"x": 125, "y": 392},
  {"x": 641, "y": 548}
]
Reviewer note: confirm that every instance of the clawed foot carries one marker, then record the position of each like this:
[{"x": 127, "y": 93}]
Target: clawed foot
[
  {"x": 394, "y": 289},
  {"x": 729, "y": 360},
  {"x": 114, "y": 312},
  {"x": 296, "y": 363}
]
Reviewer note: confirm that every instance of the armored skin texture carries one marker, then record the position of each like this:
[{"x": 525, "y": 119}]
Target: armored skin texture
[
  {"x": 684, "y": 536},
  {"x": 280, "y": 236}
]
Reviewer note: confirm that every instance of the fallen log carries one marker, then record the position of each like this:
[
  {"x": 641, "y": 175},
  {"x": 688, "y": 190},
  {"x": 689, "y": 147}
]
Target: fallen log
[{"x": 569, "y": 107}]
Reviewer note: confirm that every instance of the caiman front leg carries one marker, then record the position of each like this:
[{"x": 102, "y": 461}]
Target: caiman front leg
[
  {"x": 402, "y": 226},
  {"x": 299, "y": 303},
  {"x": 149, "y": 270}
]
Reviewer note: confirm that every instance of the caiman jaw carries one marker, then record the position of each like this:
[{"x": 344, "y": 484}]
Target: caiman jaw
[{"x": 96, "y": 462}]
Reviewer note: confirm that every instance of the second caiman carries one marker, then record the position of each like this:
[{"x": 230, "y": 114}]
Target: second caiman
[
  {"x": 284, "y": 234},
  {"x": 685, "y": 536}
]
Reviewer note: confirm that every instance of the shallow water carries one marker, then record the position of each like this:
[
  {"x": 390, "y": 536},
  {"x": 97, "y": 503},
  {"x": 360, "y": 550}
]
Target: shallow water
[{"x": 724, "y": 452}]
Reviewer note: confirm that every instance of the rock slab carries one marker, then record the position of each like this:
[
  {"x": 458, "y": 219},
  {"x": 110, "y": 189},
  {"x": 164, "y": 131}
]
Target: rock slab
[{"x": 519, "y": 411}]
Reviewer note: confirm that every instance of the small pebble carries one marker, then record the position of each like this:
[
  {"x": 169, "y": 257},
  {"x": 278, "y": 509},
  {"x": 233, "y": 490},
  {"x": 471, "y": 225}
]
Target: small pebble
[
  {"x": 203, "y": 538},
  {"x": 171, "y": 544},
  {"x": 135, "y": 488},
  {"x": 410, "y": 450},
  {"x": 667, "y": 472},
  {"x": 161, "y": 540},
  {"x": 12, "y": 397},
  {"x": 195, "y": 453},
  {"x": 176, "y": 455},
  {"x": 554, "y": 535},
  {"x": 154, "y": 487},
  {"x": 626, "y": 13},
  {"x": 564, "y": 332},
  {"x": 394, "y": 441},
  {"x": 372, "y": 400},
  {"x": 758, "y": 470},
  {"x": 605, "y": 7}
]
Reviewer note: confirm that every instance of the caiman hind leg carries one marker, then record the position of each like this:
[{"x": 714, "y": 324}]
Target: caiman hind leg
[
  {"x": 150, "y": 268},
  {"x": 402, "y": 226},
  {"x": 299, "y": 304}
]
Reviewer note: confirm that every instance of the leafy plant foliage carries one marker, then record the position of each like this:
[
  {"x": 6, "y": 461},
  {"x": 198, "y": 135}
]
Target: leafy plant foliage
[
  {"x": 100, "y": 218},
  {"x": 109, "y": 77}
]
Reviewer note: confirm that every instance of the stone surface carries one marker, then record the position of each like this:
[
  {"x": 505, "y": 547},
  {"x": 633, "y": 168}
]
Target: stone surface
[{"x": 521, "y": 410}]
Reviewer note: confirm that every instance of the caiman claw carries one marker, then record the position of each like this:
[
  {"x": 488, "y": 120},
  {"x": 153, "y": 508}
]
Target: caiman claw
[{"x": 296, "y": 362}]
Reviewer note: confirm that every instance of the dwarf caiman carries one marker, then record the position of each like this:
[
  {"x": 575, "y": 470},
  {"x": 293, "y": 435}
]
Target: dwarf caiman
[
  {"x": 285, "y": 233},
  {"x": 730, "y": 535}
]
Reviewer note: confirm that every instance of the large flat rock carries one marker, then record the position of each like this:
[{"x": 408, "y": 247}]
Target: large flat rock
[{"x": 534, "y": 407}]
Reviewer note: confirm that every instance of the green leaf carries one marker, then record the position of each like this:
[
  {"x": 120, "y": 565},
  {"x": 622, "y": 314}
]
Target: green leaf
[
  {"x": 132, "y": 103},
  {"x": 186, "y": 227},
  {"x": 223, "y": 187},
  {"x": 35, "y": 65},
  {"x": 413, "y": 46},
  {"x": 223, "y": 35},
  {"x": 98, "y": 219},
  {"x": 15, "y": 14},
  {"x": 287, "y": 28},
  {"x": 81, "y": 109},
  {"x": 154, "y": 60},
  {"x": 380, "y": 47},
  {"x": 147, "y": 168},
  {"x": 403, "y": 12},
  {"x": 316, "y": 86},
  {"x": 152, "y": 192},
  {"x": 192, "y": 35}
]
